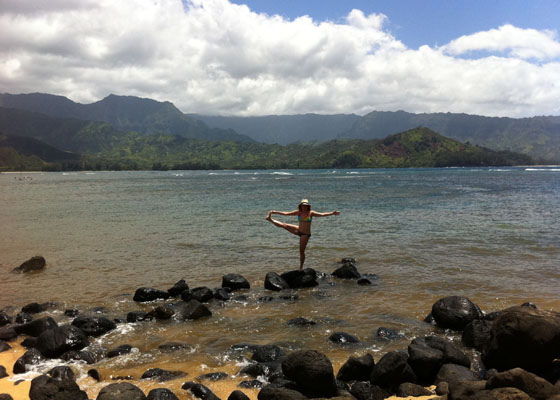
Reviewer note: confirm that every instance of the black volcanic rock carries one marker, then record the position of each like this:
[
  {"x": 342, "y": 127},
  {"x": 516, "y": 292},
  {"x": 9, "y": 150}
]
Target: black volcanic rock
[
  {"x": 347, "y": 270},
  {"x": 343, "y": 338},
  {"x": 119, "y": 350},
  {"x": 301, "y": 279},
  {"x": 235, "y": 282},
  {"x": 356, "y": 369},
  {"x": 30, "y": 357},
  {"x": 194, "y": 310},
  {"x": 267, "y": 353},
  {"x": 48, "y": 388},
  {"x": 161, "y": 394},
  {"x": 312, "y": 371},
  {"x": 162, "y": 375},
  {"x": 273, "y": 281},
  {"x": 121, "y": 391},
  {"x": 392, "y": 370},
  {"x": 5, "y": 319},
  {"x": 138, "y": 316},
  {"x": 36, "y": 263},
  {"x": 94, "y": 325},
  {"x": 4, "y": 346},
  {"x": 202, "y": 294},
  {"x": 200, "y": 391},
  {"x": 178, "y": 288},
  {"x": 279, "y": 393},
  {"x": 56, "y": 341},
  {"x": 477, "y": 334},
  {"x": 146, "y": 294},
  {"x": 455, "y": 312}
]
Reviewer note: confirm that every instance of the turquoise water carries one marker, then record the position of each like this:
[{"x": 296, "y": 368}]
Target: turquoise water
[{"x": 489, "y": 234}]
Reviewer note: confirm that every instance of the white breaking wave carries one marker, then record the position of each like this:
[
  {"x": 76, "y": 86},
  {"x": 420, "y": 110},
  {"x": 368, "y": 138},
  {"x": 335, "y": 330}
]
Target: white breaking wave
[
  {"x": 280, "y": 173},
  {"x": 543, "y": 169}
]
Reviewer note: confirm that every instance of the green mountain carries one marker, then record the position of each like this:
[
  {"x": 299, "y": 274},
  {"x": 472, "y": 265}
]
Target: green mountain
[
  {"x": 285, "y": 129},
  {"x": 537, "y": 136},
  {"x": 125, "y": 113}
]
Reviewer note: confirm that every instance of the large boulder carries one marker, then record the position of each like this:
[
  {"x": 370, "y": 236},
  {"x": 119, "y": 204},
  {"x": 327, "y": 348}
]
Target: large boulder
[
  {"x": 30, "y": 357},
  {"x": 523, "y": 337},
  {"x": 356, "y": 369},
  {"x": 428, "y": 354},
  {"x": 47, "y": 388},
  {"x": 535, "y": 386},
  {"x": 453, "y": 374},
  {"x": 200, "y": 391},
  {"x": 347, "y": 270},
  {"x": 455, "y": 312},
  {"x": 54, "y": 342},
  {"x": 477, "y": 334},
  {"x": 367, "y": 391},
  {"x": 312, "y": 371},
  {"x": 145, "y": 294},
  {"x": 273, "y": 281},
  {"x": 36, "y": 263},
  {"x": 279, "y": 393},
  {"x": 178, "y": 288},
  {"x": 94, "y": 325},
  {"x": 121, "y": 391},
  {"x": 37, "y": 327},
  {"x": 392, "y": 370},
  {"x": 203, "y": 294},
  {"x": 267, "y": 353},
  {"x": 194, "y": 310},
  {"x": 161, "y": 394},
  {"x": 235, "y": 282},
  {"x": 36, "y": 308},
  {"x": 301, "y": 279}
]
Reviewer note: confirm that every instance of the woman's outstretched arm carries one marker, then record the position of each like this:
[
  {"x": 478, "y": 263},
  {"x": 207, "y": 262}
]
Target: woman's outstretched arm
[
  {"x": 295, "y": 212},
  {"x": 326, "y": 214}
]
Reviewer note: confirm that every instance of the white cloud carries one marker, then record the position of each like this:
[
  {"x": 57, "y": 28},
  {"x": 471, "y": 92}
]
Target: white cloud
[{"x": 215, "y": 57}]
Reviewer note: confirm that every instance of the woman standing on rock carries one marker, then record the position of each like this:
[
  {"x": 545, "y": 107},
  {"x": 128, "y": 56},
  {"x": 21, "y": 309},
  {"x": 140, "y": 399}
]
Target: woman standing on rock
[{"x": 303, "y": 229}]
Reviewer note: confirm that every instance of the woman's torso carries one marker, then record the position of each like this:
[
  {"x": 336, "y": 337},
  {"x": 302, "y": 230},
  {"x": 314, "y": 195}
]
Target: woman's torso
[{"x": 304, "y": 223}]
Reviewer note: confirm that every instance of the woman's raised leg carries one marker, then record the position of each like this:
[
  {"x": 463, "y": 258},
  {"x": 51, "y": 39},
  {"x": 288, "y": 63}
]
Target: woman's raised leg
[{"x": 290, "y": 228}]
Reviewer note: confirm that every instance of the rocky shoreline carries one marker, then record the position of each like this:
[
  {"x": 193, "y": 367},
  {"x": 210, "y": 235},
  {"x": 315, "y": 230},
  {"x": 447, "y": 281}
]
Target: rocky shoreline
[{"x": 516, "y": 350}]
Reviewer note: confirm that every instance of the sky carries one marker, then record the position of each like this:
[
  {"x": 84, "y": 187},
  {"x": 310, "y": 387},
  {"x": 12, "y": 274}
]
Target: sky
[{"x": 261, "y": 57}]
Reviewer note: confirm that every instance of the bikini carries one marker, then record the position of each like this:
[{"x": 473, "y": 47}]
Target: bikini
[{"x": 307, "y": 219}]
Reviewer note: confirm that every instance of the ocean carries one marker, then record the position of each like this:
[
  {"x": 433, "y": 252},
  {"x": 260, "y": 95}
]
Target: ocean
[{"x": 491, "y": 234}]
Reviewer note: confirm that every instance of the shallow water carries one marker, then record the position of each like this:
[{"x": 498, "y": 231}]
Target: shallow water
[{"x": 489, "y": 234}]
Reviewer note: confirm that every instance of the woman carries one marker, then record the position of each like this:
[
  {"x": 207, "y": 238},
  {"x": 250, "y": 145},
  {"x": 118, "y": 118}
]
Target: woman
[{"x": 303, "y": 229}]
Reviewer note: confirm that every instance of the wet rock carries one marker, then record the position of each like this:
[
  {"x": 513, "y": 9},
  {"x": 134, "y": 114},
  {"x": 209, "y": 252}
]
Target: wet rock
[
  {"x": 235, "y": 282},
  {"x": 428, "y": 354},
  {"x": 4, "y": 346},
  {"x": 54, "y": 342},
  {"x": 34, "y": 308},
  {"x": 301, "y": 279},
  {"x": 3, "y": 372},
  {"x": 119, "y": 350},
  {"x": 529, "y": 304},
  {"x": 92, "y": 355},
  {"x": 162, "y": 313},
  {"x": 244, "y": 347},
  {"x": 366, "y": 391},
  {"x": 174, "y": 346},
  {"x": 535, "y": 386},
  {"x": 94, "y": 325},
  {"x": 94, "y": 374},
  {"x": 194, "y": 310},
  {"x": 5, "y": 396},
  {"x": 213, "y": 376},
  {"x": 312, "y": 371},
  {"x": 202, "y": 294},
  {"x": 8, "y": 332},
  {"x": 430, "y": 319},
  {"x": 252, "y": 384},
  {"x": 347, "y": 271},
  {"x": 343, "y": 338},
  {"x": 99, "y": 310},
  {"x": 453, "y": 374},
  {"x": 356, "y": 369},
  {"x": 37, "y": 327},
  {"x": 5, "y": 319},
  {"x": 186, "y": 296},
  {"x": 301, "y": 321},
  {"x": 261, "y": 369},
  {"x": 29, "y": 342},
  {"x": 222, "y": 294},
  {"x": 178, "y": 288},
  {"x": 71, "y": 312},
  {"x": 267, "y": 353},
  {"x": 477, "y": 334},
  {"x": 388, "y": 334},
  {"x": 455, "y": 312},
  {"x": 279, "y": 393},
  {"x": 364, "y": 282},
  {"x": 146, "y": 294},
  {"x": 121, "y": 391},
  {"x": 523, "y": 337},
  {"x": 200, "y": 391},
  {"x": 36, "y": 263},
  {"x": 392, "y": 370},
  {"x": 23, "y": 318},
  {"x": 161, "y": 394},
  {"x": 410, "y": 389},
  {"x": 162, "y": 375},
  {"x": 62, "y": 372},
  {"x": 47, "y": 388},
  {"x": 273, "y": 281},
  {"x": 138, "y": 316},
  {"x": 30, "y": 357},
  {"x": 238, "y": 395}
]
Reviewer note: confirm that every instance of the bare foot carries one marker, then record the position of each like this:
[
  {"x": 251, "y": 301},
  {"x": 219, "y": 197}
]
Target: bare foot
[{"x": 269, "y": 217}]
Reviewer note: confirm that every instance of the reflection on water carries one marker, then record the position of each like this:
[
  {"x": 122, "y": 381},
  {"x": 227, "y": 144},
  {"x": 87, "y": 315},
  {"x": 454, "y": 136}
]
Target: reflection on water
[{"x": 483, "y": 233}]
